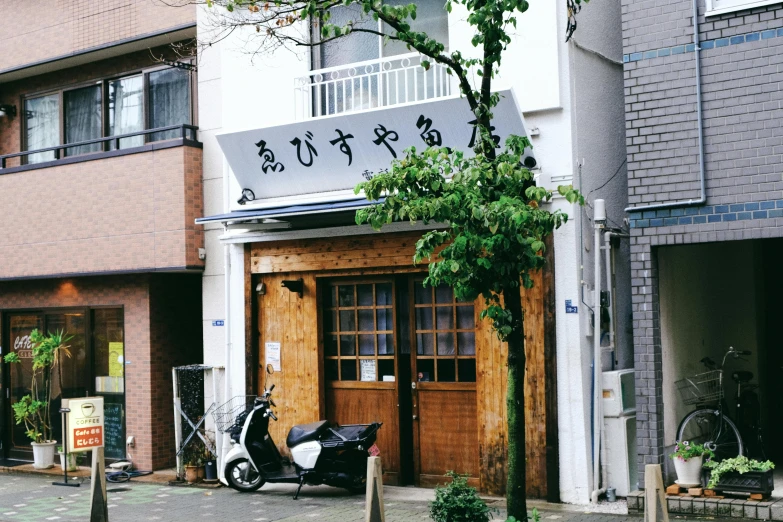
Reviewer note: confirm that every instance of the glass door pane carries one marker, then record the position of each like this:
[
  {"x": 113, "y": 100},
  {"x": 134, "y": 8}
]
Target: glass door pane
[
  {"x": 83, "y": 119},
  {"x": 72, "y": 377},
  {"x": 19, "y": 329},
  {"x": 109, "y": 349},
  {"x": 42, "y": 126},
  {"x": 169, "y": 101},
  {"x": 126, "y": 110}
]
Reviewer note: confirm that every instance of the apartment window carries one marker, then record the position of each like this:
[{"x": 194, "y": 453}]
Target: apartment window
[
  {"x": 360, "y": 72},
  {"x": 718, "y": 7},
  {"x": 109, "y": 107},
  {"x": 431, "y": 18}
]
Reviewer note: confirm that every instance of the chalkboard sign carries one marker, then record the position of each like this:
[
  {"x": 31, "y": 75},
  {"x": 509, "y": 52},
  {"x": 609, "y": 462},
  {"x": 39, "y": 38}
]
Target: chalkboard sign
[{"x": 114, "y": 427}]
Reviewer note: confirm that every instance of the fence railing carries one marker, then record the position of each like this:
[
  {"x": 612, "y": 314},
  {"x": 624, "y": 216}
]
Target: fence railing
[
  {"x": 370, "y": 84},
  {"x": 106, "y": 144}
]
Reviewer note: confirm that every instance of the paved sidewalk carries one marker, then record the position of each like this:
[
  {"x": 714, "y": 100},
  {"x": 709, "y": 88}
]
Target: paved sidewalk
[{"x": 29, "y": 498}]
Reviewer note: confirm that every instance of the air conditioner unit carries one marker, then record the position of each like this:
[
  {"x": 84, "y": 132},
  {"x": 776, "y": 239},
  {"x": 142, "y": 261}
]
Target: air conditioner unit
[
  {"x": 620, "y": 454},
  {"x": 619, "y": 393}
]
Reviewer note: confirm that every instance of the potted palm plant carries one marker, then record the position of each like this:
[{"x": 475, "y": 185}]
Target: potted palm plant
[
  {"x": 688, "y": 459},
  {"x": 34, "y": 409}
]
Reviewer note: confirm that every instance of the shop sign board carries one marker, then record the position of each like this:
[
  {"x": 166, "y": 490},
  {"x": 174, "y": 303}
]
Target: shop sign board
[
  {"x": 335, "y": 153},
  {"x": 85, "y": 423}
]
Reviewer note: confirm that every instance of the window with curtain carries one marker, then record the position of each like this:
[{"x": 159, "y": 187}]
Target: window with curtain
[
  {"x": 82, "y": 119},
  {"x": 147, "y": 100},
  {"x": 42, "y": 126},
  {"x": 169, "y": 103},
  {"x": 126, "y": 109}
]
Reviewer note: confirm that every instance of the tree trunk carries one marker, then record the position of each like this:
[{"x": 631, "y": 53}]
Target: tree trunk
[{"x": 515, "y": 408}]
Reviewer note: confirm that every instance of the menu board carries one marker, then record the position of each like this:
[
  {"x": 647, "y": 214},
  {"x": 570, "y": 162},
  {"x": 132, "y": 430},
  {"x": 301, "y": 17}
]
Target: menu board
[{"x": 114, "y": 432}]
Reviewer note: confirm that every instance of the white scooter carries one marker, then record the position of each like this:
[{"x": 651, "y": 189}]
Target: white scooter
[{"x": 322, "y": 453}]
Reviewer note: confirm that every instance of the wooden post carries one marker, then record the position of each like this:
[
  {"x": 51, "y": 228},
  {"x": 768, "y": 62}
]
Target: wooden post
[
  {"x": 374, "y": 511},
  {"x": 99, "y": 510},
  {"x": 653, "y": 493}
]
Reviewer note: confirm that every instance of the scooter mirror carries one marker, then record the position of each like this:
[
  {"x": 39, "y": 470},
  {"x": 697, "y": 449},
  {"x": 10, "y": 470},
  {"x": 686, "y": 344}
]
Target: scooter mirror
[{"x": 270, "y": 369}]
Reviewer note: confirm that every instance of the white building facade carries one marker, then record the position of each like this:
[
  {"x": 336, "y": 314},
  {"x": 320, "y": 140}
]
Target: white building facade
[{"x": 569, "y": 96}]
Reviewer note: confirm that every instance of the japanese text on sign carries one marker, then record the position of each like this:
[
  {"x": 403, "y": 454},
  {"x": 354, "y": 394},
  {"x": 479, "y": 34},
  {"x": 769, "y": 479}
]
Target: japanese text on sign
[
  {"x": 85, "y": 423},
  {"x": 337, "y": 152}
]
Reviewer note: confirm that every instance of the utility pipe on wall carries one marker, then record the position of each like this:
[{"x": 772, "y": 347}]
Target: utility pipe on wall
[
  {"x": 699, "y": 126},
  {"x": 599, "y": 221}
]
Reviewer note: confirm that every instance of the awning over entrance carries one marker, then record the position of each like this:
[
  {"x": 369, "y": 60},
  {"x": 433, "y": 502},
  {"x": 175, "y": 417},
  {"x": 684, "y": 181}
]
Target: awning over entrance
[{"x": 248, "y": 216}]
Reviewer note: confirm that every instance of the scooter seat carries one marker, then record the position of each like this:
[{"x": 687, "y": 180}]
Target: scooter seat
[{"x": 306, "y": 432}]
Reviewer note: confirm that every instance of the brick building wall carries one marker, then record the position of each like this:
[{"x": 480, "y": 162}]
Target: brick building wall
[
  {"x": 54, "y": 28},
  {"x": 741, "y": 59},
  {"x": 162, "y": 329},
  {"x": 126, "y": 213}
]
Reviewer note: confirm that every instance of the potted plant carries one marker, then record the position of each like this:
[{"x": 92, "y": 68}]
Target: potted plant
[
  {"x": 34, "y": 410},
  {"x": 688, "y": 459},
  {"x": 739, "y": 474},
  {"x": 193, "y": 457},
  {"x": 73, "y": 460}
]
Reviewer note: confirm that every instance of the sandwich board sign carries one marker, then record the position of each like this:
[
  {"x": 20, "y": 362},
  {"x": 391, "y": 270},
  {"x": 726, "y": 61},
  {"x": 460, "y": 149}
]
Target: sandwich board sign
[{"x": 85, "y": 423}]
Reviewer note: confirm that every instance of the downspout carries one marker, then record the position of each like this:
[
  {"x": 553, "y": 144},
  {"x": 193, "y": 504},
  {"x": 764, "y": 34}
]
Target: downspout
[
  {"x": 599, "y": 221},
  {"x": 228, "y": 322},
  {"x": 700, "y": 126}
]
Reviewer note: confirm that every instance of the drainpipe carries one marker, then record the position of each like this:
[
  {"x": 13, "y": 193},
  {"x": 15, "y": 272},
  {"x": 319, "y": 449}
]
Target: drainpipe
[
  {"x": 227, "y": 320},
  {"x": 599, "y": 220},
  {"x": 700, "y": 126}
]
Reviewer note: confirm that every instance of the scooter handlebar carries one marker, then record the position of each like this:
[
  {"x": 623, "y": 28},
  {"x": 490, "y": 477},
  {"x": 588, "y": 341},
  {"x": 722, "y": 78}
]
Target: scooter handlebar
[{"x": 271, "y": 414}]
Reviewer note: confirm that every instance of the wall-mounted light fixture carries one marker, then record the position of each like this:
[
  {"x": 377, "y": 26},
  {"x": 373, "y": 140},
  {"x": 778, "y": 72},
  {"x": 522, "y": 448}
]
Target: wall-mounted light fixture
[
  {"x": 7, "y": 110},
  {"x": 294, "y": 285},
  {"x": 247, "y": 195},
  {"x": 261, "y": 289}
]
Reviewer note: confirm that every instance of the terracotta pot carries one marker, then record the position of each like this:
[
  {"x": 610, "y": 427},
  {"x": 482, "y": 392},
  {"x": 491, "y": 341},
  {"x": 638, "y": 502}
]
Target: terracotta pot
[
  {"x": 688, "y": 471},
  {"x": 192, "y": 474},
  {"x": 43, "y": 454}
]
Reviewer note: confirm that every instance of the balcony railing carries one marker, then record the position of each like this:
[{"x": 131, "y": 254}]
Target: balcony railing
[
  {"x": 84, "y": 150},
  {"x": 370, "y": 84}
]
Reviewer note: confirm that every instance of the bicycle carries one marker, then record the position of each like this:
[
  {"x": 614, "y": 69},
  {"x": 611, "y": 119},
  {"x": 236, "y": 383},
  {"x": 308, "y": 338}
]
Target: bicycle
[{"x": 709, "y": 424}]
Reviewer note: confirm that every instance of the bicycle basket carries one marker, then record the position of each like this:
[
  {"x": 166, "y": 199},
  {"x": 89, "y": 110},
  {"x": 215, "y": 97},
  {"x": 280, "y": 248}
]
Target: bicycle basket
[
  {"x": 226, "y": 414},
  {"x": 702, "y": 388}
]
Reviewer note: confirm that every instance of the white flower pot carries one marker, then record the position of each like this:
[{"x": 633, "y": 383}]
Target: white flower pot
[
  {"x": 43, "y": 454},
  {"x": 688, "y": 471},
  {"x": 72, "y": 466}
]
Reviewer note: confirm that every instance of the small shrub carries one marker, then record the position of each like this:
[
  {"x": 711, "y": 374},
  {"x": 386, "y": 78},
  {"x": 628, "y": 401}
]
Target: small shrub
[
  {"x": 534, "y": 516},
  {"x": 458, "y": 502}
]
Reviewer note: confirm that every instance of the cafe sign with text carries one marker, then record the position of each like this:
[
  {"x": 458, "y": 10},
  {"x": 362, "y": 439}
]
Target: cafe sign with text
[{"x": 85, "y": 423}]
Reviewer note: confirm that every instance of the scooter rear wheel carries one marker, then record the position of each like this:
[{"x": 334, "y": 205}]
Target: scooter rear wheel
[{"x": 235, "y": 473}]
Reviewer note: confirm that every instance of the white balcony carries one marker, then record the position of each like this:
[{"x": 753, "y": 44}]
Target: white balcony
[{"x": 368, "y": 85}]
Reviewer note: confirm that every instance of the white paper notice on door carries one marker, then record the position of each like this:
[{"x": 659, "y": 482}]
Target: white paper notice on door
[
  {"x": 273, "y": 355},
  {"x": 368, "y": 370}
]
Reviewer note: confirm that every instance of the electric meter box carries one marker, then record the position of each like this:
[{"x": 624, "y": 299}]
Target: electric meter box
[{"x": 619, "y": 394}]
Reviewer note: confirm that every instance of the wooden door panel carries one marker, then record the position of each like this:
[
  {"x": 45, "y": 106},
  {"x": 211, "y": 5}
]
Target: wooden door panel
[
  {"x": 366, "y": 405},
  {"x": 448, "y": 434}
]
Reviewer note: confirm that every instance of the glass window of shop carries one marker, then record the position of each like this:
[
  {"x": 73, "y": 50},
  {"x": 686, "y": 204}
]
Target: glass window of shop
[{"x": 93, "y": 366}]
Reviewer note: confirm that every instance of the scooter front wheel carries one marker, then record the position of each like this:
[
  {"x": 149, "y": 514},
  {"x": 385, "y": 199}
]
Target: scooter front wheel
[{"x": 235, "y": 476}]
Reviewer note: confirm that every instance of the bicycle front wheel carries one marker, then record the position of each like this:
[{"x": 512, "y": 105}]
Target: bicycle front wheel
[{"x": 713, "y": 429}]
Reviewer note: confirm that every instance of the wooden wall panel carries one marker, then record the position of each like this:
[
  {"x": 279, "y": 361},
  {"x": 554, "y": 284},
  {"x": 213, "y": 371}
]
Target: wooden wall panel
[
  {"x": 292, "y": 321},
  {"x": 286, "y": 318},
  {"x": 355, "y": 252},
  {"x": 363, "y": 406},
  {"x": 448, "y": 434}
]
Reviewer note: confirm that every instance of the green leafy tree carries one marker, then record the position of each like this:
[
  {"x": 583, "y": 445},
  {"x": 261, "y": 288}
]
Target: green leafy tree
[
  {"x": 494, "y": 224},
  {"x": 34, "y": 410}
]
